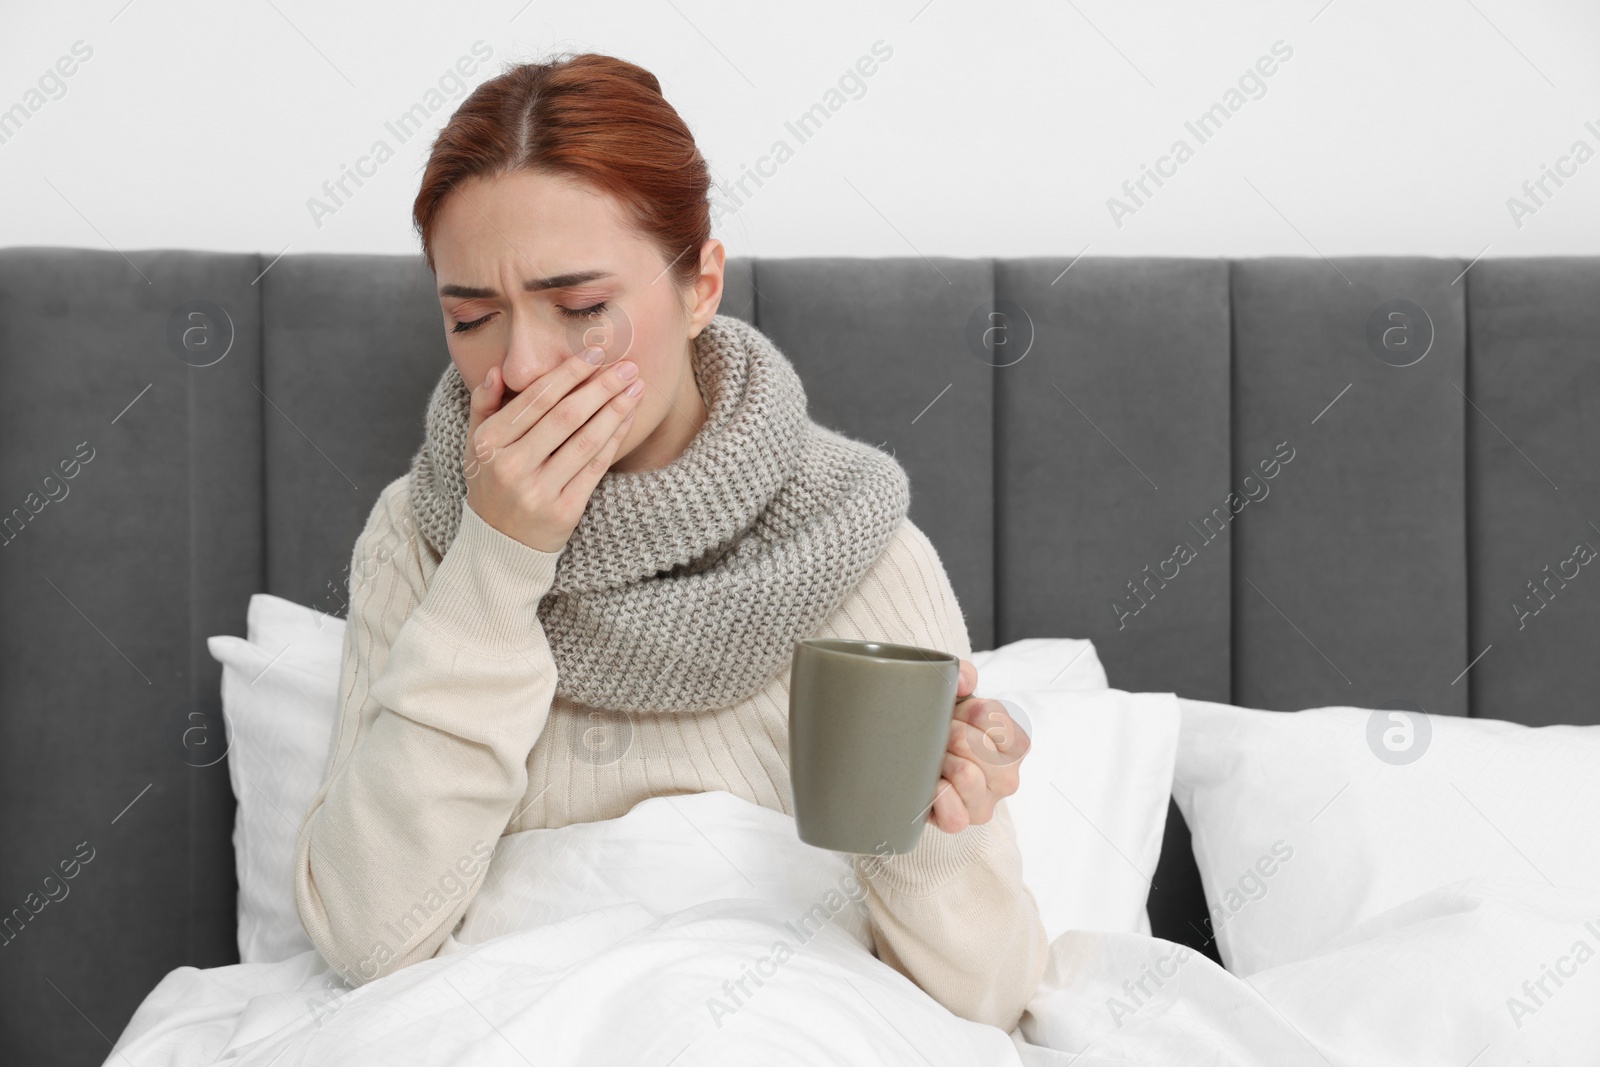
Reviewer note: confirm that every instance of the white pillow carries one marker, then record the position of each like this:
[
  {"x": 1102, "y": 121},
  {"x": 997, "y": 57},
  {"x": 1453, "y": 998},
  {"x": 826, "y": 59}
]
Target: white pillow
[
  {"x": 1308, "y": 823},
  {"x": 1040, "y": 663},
  {"x": 1090, "y": 808},
  {"x": 280, "y": 701},
  {"x": 1091, "y": 803}
]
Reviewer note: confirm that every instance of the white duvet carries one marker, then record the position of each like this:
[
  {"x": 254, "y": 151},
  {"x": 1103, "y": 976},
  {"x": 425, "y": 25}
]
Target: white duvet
[{"x": 677, "y": 934}]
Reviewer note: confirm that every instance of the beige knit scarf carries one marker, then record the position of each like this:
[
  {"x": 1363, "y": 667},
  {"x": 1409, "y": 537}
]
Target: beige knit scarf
[{"x": 685, "y": 587}]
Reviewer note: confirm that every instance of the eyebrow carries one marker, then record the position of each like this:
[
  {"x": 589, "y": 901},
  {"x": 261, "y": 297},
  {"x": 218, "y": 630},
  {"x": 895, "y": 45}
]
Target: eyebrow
[{"x": 555, "y": 281}]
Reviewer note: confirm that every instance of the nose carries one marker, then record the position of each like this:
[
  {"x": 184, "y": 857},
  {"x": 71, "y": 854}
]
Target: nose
[{"x": 530, "y": 352}]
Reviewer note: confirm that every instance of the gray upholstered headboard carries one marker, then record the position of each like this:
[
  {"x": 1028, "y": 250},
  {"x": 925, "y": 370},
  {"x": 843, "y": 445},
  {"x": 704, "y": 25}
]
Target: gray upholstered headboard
[{"x": 1409, "y": 512}]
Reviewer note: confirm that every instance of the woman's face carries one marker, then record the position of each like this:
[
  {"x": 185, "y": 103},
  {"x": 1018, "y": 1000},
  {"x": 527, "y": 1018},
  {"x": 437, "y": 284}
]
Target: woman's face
[{"x": 533, "y": 268}]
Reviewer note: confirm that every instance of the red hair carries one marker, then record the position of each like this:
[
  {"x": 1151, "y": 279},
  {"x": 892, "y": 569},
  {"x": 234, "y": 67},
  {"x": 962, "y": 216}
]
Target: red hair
[{"x": 592, "y": 117}]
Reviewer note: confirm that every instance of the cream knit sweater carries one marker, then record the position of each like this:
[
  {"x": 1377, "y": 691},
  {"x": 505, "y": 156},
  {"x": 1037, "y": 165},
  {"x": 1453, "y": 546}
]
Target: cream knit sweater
[{"x": 450, "y": 735}]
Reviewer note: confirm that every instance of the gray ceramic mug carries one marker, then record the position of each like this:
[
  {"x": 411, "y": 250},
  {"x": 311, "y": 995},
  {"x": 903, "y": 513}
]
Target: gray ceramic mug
[{"x": 869, "y": 722}]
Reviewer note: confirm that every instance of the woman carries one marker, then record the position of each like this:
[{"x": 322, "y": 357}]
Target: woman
[{"x": 620, "y": 521}]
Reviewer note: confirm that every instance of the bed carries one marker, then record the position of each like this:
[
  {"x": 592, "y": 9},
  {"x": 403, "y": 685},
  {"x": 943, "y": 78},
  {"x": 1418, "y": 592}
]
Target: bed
[{"x": 1065, "y": 423}]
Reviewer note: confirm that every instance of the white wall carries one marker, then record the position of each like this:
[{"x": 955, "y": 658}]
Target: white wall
[{"x": 995, "y": 128}]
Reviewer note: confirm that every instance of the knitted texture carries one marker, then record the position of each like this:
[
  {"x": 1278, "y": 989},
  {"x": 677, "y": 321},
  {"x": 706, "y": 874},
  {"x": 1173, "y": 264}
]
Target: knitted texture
[{"x": 685, "y": 587}]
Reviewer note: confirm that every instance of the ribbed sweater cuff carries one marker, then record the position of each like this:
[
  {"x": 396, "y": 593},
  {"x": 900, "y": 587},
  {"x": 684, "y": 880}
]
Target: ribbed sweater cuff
[
  {"x": 485, "y": 594},
  {"x": 937, "y": 858}
]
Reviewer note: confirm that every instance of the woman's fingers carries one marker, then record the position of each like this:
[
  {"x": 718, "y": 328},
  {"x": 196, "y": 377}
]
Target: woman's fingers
[
  {"x": 534, "y": 460},
  {"x": 952, "y": 809},
  {"x": 977, "y": 772},
  {"x": 973, "y": 784},
  {"x": 964, "y": 797},
  {"x": 949, "y": 812},
  {"x": 994, "y": 736},
  {"x": 966, "y": 679},
  {"x": 523, "y": 417},
  {"x": 587, "y": 455},
  {"x": 485, "y": 401}
]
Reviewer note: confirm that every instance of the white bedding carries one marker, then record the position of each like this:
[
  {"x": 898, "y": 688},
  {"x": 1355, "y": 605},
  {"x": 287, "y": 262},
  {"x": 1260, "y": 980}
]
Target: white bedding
[
  {"x": 1427, "y": 983},
  {"x": 632, "y": 930},
  {"x": 619, "y": 950}
]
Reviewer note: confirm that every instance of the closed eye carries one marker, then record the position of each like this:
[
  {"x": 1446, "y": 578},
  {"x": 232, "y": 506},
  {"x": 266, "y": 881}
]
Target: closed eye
[
  {"x": 463, "y": 327},
  {"x": 590, "y": 312}
]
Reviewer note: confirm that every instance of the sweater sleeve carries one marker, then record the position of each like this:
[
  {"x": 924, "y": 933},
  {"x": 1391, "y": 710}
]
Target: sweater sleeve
[
  {"x": 953, "y": 914},
  {"x": 445, "y": 685}
]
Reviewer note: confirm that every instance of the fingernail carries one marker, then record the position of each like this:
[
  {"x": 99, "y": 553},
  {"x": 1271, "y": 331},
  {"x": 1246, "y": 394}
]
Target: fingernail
[{"x": 592, "y": 356}]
